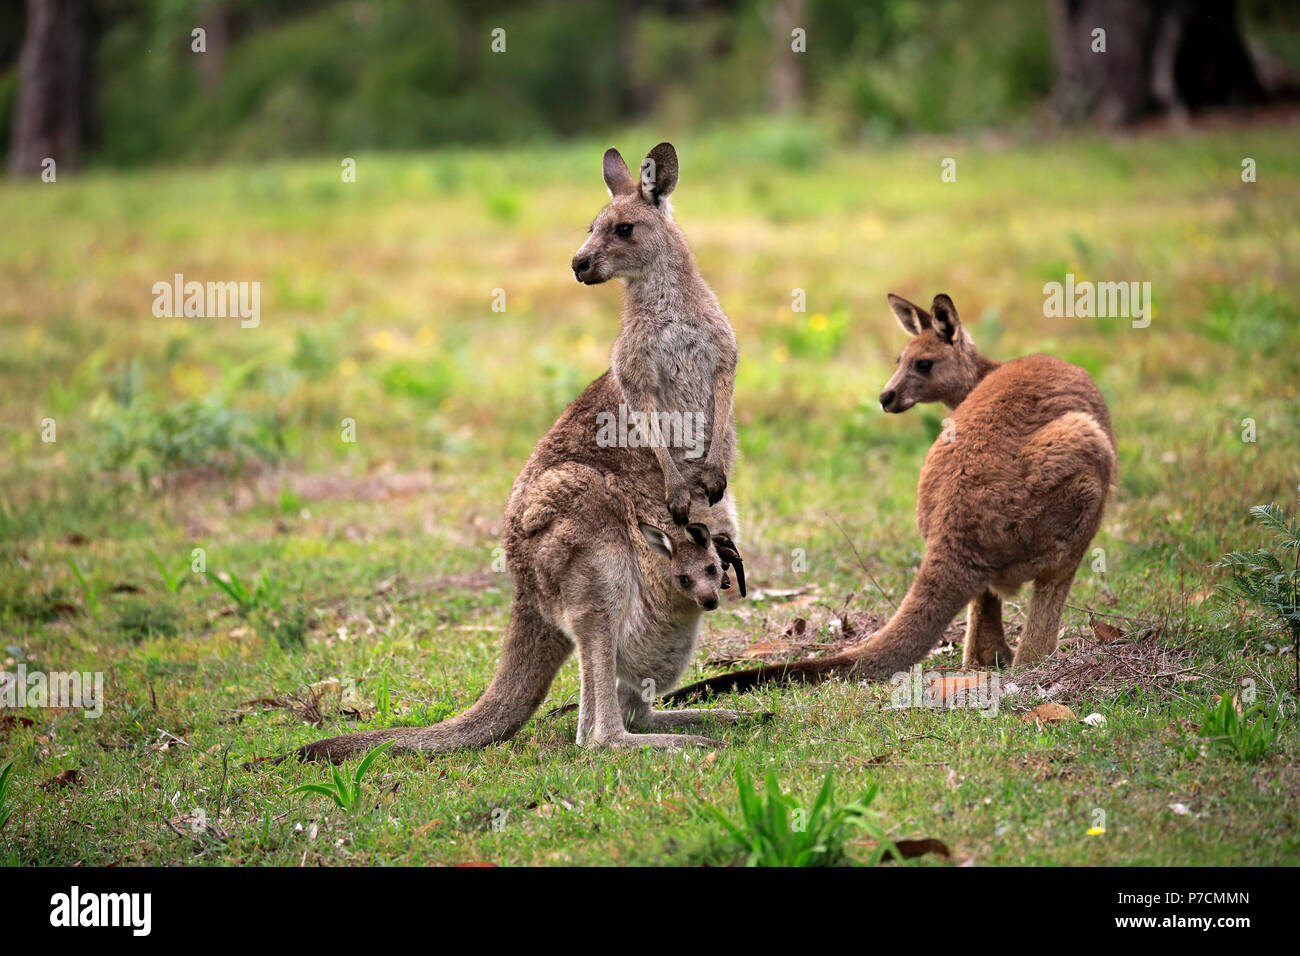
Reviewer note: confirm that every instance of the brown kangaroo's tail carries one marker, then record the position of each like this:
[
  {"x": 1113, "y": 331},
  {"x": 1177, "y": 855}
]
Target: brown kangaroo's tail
[
  {"x": 530, "y": 659},
  {"x": 937, "y": 594}
]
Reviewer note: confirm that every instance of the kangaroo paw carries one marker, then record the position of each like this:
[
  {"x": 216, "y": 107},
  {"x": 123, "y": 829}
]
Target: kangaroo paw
[
  {"x": 679, "y": 503},
  {"x": 714, "y": 482}
]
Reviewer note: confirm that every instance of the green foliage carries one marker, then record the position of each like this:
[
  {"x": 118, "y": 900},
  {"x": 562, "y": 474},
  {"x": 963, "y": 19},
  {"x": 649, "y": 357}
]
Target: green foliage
[
  {"x": 173, "y": 582},
  {"x": 1249, "y": 735},
  {"x": 1262, "y": 579},
  {"x": 6, "y": 774},
  {"x": 774, "y": 830},
  {"x": 248, "y": 596},
  {"x": 90, "y": 588},
  {"x": 346, "y": 792},
  {"x": 155, "y": 441}
]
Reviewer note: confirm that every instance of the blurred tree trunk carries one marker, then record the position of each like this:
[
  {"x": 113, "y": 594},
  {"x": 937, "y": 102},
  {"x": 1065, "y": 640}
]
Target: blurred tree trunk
[
  {"x": 218, "y": 22},
  {"x": 1165, "y": 56},
  {"x": 50, "y": 114},
  {"x": 785, "y": 81}
]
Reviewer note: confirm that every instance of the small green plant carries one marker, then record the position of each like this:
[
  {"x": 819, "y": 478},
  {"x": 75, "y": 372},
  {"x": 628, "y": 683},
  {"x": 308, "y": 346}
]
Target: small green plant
[
  {"x": 344, "y": 791},
  {"x": 247, "y": 598},
  {"x": 1263, "y": 579},
  {"x": 159, "y": 441},
  {"x": 172, "y": 582},
  {"x": 1250, "y": 735},
  {"x": 89, "y": 589},
  {"x": 6, "y": 774},
  {"x": 775, "y": 831}
]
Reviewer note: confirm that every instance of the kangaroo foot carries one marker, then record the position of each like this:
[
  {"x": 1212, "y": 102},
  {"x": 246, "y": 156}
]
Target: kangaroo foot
[
  {"x": 990, "y": 655},
  {"x": 631, "y": 741}
]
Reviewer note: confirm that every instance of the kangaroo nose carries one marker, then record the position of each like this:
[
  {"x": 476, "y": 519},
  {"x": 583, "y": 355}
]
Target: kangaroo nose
[
  {"x": 580, "y": 266},
  {"x": 886, "y": 399},
  {"x": 709, "y": 603}
]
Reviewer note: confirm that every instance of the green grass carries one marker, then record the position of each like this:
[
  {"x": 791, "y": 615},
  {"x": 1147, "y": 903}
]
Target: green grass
[{"x": 380, "y": 556}]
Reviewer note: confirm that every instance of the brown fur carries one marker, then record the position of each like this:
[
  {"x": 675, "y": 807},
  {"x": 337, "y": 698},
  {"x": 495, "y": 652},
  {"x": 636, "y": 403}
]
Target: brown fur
[
  {"x": 676, "y": 352},
  {"x": 1012, "y": 491},
  {"x": 597, "y": 563}
]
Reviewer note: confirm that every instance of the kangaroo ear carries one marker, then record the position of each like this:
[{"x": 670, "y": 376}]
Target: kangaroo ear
[
  {"x": 698, "y": 533},
  {"x": 618, "y": 179},
  {"x": 659, "y": 173},
  {"x": 657, "y": 540},
  {"x": 912, "y": 318},
  {"x": 945, "y": 319}
]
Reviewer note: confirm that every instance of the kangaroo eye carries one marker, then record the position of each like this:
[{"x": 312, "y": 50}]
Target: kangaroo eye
[
  {"x": 684, "y": 580},
  {"x": 624, "y": 230},
  {"x": 711, "y": 571},
  {"x": 923, "y": 366}
]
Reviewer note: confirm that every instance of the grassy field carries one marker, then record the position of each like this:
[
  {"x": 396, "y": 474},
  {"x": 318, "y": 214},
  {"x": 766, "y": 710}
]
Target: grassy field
[{"x": 375, "y": 591}]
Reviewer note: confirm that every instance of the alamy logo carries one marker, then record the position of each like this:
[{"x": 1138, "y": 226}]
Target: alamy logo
[
  {"x": 73, "y": 690},
  {"x": 632, "y": 429},
  {"x": 213, "y": 300},
  {"x": 103, "y": 909},
  {"x": 1086, "y": 300}
]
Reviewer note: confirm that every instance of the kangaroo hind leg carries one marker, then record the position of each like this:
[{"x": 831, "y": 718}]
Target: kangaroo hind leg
[
  {"x": 986, "y": 645},
  {"x": 1038, "y": 639}
]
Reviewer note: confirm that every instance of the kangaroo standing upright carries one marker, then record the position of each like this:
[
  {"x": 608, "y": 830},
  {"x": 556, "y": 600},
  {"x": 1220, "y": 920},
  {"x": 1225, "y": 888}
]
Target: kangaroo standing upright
[
  {"x": 590, "y": 542},
  {"x": 675, "y": 357},
  {"x": 1012, "y": 491}
]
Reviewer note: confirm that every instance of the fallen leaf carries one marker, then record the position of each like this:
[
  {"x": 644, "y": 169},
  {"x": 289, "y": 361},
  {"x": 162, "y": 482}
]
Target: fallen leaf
[
  {"x": 9, "y": 721},
  {"x": 64, "y": 778},
  {"x": 1106, "y": 633},
  {"x": 1051, "y": 713},
  {"x": 957, "y": 690},
  {"x": 1095, "y": 720}
]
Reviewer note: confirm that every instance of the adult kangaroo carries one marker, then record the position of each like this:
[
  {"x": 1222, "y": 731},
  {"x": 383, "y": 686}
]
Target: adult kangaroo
[
  {"x": 1012, "y": 491},
  {"x": 675, "y": 356},
  {"x": 591, "y": 541}
]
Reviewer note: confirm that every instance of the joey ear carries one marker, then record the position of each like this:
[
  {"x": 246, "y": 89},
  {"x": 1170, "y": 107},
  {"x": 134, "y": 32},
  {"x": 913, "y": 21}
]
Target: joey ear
[
  {"x": 912, "y": 318},
  {"x": 698, "y": 533},
  {"x": 657, "y": 540},
  {"x": 945, "y": 319},
  {"x": 618, "y": 179},
  {"x": 659, "y": 173}
]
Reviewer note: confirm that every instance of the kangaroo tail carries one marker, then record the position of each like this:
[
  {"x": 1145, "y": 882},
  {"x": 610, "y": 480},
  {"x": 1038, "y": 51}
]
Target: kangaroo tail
[
  {"x": 530, "y": 659},
  {"x": 934, "y": 599}
]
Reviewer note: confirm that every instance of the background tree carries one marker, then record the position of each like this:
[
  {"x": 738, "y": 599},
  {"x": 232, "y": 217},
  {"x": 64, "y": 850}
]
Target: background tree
[
  {"x": 50, "y": 115},
  {"x": 1165, "y": 56}
]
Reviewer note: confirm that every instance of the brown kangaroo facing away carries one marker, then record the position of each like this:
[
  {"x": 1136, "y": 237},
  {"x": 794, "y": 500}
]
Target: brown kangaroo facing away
[
  {"x": 675, "y": 356},
  {"x": 597, "y": 562},
  {"x": 1013, "y": 490}
]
